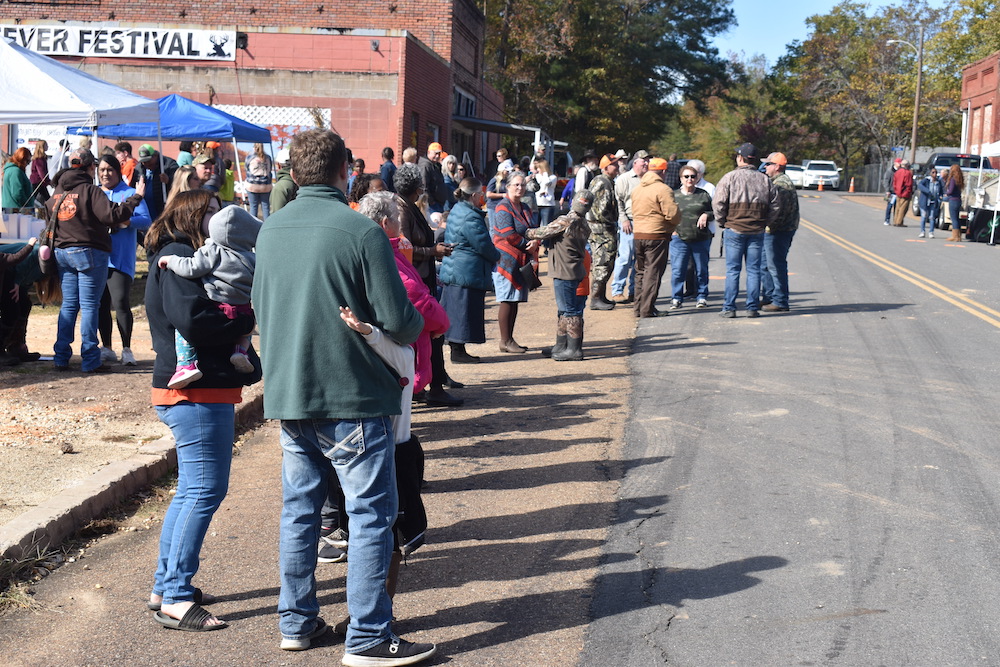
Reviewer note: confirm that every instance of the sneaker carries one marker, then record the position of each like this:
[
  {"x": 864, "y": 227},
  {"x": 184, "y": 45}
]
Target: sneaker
[
  {"x": 302, "y": 643},
  {"x": 184, "y": 375},
  {"x": 921, "y": 235},
  {"x": 930, "y": 235},
  {"x": 241, "y": 362},
  {"x": 753, "y": 313},
  {"x": 337, "y": 538},
  {"x": 128, "y": 359},
  {"x": 330, "y": 554},
  {"x": 886, "y": 223},
  {"x": 771, "y": 308},
  {"x": 728, "y": 313},
  {"x": 394, "y": 651},
  {"x": 675, "y": 305},
  {"x": 108, "y": 356},
  {"x": 701, "y": 304}
]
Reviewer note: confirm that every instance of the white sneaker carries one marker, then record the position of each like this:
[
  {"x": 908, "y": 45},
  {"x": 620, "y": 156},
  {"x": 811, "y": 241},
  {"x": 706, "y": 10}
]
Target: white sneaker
[
  {"x": 128, "y": 358},
  {"x": 930, "y": 235},
  {"x": 701, "y": 304},
  {"x": 108, "y": 356},
  {"x": 675, "y": 305},
  {"x": 921, "y": 235}
]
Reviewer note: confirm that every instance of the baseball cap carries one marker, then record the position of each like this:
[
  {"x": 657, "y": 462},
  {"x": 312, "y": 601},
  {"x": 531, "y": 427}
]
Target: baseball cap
[
  {"x": 81, "y": 158},
  {"x": 640, "y": 154},
  {"x": 435, "y": 147},
  {"x": 203, "y": 158},
  {"x": 608, "y": 159},
  {"x": 657, "y": 164},
  {"x": 777, "y": 158},
  {"x": 145, "y": 152},
  {"x": 621, "y": 154},
  {"x": 283, "y": 156},
  {"x": 898, "y": 160},
  {"x": 212, "y": 144},
  {"x": 748, "y": 150}
]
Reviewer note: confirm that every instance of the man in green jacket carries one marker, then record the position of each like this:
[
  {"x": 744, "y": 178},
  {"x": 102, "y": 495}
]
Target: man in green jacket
[
  {"x": 333, "y": 395},
  {"x": 284, "y": 187}
]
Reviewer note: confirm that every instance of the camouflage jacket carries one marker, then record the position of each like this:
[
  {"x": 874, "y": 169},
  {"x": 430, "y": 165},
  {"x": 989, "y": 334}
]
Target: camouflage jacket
[{"x": 605, "y": 209}]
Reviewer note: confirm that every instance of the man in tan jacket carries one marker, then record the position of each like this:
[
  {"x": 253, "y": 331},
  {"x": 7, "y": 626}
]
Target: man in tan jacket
[{"x": 654, "y": 217}]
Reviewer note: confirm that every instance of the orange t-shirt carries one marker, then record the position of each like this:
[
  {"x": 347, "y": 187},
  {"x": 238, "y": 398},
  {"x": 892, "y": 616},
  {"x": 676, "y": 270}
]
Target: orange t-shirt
[
  {"x": 406, "y": 248},
  {"x": 232, "y": 395}
]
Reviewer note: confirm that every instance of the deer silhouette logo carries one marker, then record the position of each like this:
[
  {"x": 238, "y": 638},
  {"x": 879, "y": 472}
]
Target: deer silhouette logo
[{"x": 218, "y": 41}]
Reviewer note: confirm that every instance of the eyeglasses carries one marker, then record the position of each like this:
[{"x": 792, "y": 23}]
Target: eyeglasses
[{"x": 689, "y": 176}]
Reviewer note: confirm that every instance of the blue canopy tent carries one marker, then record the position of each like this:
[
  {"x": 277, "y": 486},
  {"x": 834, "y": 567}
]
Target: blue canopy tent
[{"x": 182, "y": 119}]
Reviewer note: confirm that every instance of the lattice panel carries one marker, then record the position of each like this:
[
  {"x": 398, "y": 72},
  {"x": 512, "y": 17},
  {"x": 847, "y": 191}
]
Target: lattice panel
[{"x": 284, "y": 122}]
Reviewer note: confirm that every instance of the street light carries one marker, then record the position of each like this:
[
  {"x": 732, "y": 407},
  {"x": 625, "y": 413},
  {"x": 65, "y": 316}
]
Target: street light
[{"x": 916, "y": 101}]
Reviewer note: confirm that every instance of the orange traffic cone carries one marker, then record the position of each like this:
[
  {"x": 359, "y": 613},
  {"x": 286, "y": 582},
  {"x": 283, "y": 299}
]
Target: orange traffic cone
[
  {"x": 851, "y": 189},
  {"x": 820, "y": 188}
]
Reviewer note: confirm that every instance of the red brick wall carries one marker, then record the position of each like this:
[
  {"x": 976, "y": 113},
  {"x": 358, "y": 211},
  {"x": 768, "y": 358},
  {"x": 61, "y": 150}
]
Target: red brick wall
[
  {"x": 428, "y": 93},
  {"x": 429, "y": 20},
  {"x": 981, "y": 95}
]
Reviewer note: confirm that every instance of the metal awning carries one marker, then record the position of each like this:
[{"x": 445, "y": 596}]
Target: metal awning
[{"x": 499, "y": 127}]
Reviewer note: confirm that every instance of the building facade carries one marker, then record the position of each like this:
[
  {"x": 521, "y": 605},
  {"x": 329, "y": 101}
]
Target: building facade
[
  {"x": 388, "y": 73},
  {"x": 980, "y": 105}
]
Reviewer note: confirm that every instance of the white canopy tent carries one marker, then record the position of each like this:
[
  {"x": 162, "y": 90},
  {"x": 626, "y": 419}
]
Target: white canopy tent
[{"x": 39, "y": 90}]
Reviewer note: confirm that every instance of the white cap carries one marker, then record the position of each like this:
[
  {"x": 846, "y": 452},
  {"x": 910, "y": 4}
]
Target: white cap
[{"x": 282, "y": 156}]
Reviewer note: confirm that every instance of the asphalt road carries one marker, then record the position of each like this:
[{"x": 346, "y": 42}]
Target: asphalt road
[{"x": 830, "y": 484}]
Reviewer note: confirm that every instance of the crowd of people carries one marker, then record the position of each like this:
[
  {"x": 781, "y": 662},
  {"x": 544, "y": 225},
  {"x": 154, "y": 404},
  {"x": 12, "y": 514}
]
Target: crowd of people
[
  {"x": 935, "y": 191},
  {"x": 398, "y": 263}
]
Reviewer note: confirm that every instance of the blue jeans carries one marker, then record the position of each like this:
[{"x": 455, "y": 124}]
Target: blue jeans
[
  {"x": 624, "y": 266},
  {"x": 888, "y": 208},
  {"x": 738, "y": 247},
  {"x": 568, "y": 303},
  {"x": 680, "y": 254},
  {"x": 545, "y": 215},
  {"x": 203, "y": 433},
  {"x": 362, "y": 453},
  {"x": 930, "y": 214},
  {"x": 775, "y": 277},
  {"x": 83, "y": 273},
  {"x": 262, "y": 201},
  {"x": 954, "y": 209}
]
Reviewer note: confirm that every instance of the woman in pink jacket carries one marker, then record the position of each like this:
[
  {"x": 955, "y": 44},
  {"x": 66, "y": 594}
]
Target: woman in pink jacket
[{"x": 382, "y": 208}]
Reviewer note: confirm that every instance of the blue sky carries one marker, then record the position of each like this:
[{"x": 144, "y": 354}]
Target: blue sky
[{"x": 767, "y": 26}]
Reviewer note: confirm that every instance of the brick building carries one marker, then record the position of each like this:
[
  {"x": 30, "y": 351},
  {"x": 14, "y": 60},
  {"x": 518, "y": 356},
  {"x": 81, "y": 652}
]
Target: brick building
[
  {"x": 380, "y": 73},
  {"x": 980, "y": 105}
]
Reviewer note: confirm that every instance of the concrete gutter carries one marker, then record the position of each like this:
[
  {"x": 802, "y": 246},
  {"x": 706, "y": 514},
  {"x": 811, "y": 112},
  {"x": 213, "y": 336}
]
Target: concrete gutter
[{"x": 49, "y": 523}]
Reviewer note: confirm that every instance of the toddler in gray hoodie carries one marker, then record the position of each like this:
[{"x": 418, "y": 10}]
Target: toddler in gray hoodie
[{"x": 225, "y": 265}]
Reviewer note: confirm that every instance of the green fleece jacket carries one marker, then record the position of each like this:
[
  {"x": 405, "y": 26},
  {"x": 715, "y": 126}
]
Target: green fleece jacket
[{"x": 315, "y": 255}]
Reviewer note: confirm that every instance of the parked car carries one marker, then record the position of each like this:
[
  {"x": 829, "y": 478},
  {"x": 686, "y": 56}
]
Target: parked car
[
  {"x": 796, "y": 174},
  {"x": 943, "y": 161},
  {"x": 820, "y": 171}
]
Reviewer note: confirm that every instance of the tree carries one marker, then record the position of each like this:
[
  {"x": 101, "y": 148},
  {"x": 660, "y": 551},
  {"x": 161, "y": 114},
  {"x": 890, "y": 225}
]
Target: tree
[{"x": 600, "y": 73}]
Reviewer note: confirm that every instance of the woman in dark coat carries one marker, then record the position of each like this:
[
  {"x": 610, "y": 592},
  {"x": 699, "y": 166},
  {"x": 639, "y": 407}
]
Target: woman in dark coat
[{"x": 466, "y": 272}]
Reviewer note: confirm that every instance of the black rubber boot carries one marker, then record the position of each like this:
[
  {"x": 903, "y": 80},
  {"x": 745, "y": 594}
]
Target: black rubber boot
[
  {"x": 560, "y": 339},
  {"x": 574, "y": 341}
]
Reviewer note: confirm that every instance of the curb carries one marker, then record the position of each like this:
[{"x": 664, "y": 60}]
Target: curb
[{"x": 52, "y": 521}]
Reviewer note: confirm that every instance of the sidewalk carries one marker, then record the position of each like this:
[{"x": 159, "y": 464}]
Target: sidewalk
[{"x": 522, "y": 484}]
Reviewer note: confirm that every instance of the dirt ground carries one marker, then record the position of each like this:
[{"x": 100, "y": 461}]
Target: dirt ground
[
  {"x": 104, "y": 418},
  {"x": 522, "y": 482}
]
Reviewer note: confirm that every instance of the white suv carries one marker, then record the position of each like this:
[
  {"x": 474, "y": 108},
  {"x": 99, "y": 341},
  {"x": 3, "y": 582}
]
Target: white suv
[{"x": 820, "y": 171}]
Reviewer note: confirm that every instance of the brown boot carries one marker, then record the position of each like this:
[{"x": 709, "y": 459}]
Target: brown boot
[{"x": 560, "y": 339}]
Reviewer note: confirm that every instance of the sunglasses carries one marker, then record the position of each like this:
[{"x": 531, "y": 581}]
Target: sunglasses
[{"x": 689, "y": 176}]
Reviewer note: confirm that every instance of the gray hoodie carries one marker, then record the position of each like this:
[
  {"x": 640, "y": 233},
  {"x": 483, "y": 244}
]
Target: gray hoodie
[{"x": 226, "y": 262}]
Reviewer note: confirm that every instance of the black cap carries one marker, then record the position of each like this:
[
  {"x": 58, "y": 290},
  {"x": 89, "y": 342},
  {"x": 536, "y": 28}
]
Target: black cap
[{"x": 748, "y": 150}]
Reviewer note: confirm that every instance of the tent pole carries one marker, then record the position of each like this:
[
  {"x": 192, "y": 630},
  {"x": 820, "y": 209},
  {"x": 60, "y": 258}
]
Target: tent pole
[
  {"x": 159, "y": 146},
  {"x": 239, "y": 171}
]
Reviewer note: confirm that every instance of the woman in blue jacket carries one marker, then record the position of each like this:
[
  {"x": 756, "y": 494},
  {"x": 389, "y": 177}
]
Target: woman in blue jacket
[{"x": 467, "y": 272}]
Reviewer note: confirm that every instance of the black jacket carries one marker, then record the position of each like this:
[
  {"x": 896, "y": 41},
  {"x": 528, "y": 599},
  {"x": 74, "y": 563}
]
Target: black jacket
[{"x": 179, "y": 303}]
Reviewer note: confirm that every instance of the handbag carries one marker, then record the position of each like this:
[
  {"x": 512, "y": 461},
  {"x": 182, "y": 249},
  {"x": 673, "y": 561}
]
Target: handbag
[
  {"x": 47, "y": 260},
  {"x": 528, "y": 277}
]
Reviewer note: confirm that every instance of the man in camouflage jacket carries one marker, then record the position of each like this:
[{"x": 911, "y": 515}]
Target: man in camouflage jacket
[{"x": 603, "y": 219}]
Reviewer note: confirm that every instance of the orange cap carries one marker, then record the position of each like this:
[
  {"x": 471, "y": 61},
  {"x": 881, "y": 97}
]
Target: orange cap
[
  {"x": 657, "y": 164},
  {"x": 777, "y": 158},
  {"x": 212, "y": 144},
  {"x": 443, "y": 155},
  {"x": 435, "y": 147},
  {"x": 608, "y": 159}
]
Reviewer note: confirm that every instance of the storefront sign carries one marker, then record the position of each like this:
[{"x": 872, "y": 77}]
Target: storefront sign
[{"x": 119, "y": 42}]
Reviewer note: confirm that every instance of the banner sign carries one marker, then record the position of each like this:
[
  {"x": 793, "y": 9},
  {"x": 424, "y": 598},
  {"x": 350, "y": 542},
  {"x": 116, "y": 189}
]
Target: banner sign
[{"x": 118, "y": 42}]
